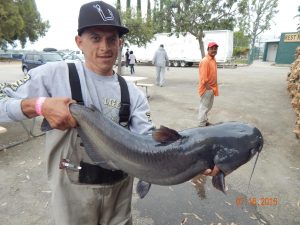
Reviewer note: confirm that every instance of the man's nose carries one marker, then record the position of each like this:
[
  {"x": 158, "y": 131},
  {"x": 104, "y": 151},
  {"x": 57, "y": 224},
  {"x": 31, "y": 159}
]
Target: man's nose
[{"x": 104, "y": 44}]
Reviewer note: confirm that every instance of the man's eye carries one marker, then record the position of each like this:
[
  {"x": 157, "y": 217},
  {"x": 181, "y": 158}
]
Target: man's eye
[
  {"x": 95, "y": 38},
  {"x": 113, "y": 40}
]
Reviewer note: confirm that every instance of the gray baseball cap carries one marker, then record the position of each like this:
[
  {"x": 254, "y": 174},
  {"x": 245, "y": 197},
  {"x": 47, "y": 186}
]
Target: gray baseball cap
[{"x": 99, "y": 13}]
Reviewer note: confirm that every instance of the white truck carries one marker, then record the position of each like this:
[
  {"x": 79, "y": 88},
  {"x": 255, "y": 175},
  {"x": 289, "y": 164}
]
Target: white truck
[{"x": 185, "y": 50}]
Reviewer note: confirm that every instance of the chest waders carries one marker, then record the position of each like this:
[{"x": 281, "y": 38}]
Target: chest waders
[{"x": 89, "y": 173}]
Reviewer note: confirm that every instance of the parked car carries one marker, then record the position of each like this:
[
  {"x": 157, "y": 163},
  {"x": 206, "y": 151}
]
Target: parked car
[
  {"x": 32, "y": 60},
  {"x": 74, "y": 57}
]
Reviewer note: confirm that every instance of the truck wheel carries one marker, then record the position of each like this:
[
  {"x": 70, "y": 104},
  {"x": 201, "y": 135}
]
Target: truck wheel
[
  {"x": 176, "y": 63},
  {"x": 182, "y": 64}
]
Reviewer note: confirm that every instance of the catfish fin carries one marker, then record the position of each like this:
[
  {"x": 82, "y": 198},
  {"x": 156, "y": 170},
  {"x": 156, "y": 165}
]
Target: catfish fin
[
  {"x": 165, "y": 135},
  {"x": 218, "y": 182},
  {"x": 142, "y": 188},
  {"x": 45, "y": 126}
]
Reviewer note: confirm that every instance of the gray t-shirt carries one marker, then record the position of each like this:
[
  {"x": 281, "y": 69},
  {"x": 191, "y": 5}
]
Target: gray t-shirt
[{"x": 52, "y": 80}]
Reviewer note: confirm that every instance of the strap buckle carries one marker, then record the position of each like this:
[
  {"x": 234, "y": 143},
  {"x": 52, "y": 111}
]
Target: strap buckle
[
  {"x": 66, "y": 164},
  {"x": 124, "y": 114}
]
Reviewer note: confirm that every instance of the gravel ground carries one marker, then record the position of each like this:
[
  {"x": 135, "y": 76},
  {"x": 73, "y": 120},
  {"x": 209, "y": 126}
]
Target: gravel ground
[{"x": 256, "y": 94}]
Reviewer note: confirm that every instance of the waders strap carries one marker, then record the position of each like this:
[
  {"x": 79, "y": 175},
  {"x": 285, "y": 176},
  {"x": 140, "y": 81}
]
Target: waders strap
[
  {"x": 75, "y": 84},
  {"x": 124, "y": 112}
]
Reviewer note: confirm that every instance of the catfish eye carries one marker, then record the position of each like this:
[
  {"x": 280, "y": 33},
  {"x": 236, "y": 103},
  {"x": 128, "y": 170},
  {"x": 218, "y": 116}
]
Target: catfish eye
[{"x": 253, "y": 151}]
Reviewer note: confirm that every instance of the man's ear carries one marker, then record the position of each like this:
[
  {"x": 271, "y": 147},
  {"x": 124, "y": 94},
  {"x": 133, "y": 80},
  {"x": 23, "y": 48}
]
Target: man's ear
[
  {"x": 78, "y": 41},
  {"x": 121, "y": 42}
]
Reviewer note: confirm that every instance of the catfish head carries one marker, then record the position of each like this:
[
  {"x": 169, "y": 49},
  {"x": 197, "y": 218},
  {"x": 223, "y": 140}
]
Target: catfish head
[{"x": 235, "y": 151}]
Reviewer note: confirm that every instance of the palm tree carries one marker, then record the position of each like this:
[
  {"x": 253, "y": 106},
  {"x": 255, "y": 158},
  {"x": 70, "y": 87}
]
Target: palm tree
[{"x": 298, "y": 28}]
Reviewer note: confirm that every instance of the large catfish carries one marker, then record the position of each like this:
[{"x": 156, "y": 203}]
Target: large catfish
[{"x": 167, "y": 157}]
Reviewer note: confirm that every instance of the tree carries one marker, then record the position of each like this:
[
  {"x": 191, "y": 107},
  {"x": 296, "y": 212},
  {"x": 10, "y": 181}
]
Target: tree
[
  {"x": 298, "y": 25},
  {"x": 258, "y": 18},
  {"x": 149, "y": 17},
  {"x": 20, "y": 21},
  {"x": 240, "y": 44},
  {"x": 118, "y": 7},
  {"x": 141, "y": 29},
  {"x": 195, "y": 16},
  {"x": 240, "y": 40},
  {"x": 128, "y": 8},
  {"x": 139, "y": 9},
  {"x": 141, "y": 32}
]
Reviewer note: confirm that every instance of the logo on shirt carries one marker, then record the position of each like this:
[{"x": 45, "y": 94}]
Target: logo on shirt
[{"x": 112, "y": 103}]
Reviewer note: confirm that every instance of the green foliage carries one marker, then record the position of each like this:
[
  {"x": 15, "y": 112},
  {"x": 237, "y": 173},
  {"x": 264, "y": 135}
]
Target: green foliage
[
  {"x": 240, "y": 51},
  {"x": 11, "y": 22},
  {"x": 141, "y": 31},
  {"x": 139, "y": 9},
  {"x": 298, "y": 25},
  {"x": 258, "y": 18},
  {"x": 118, "y": 5},
  {"x": 149, "y": 11},
  {"x": 21, "y": 21},
  {"x": 240, "y": 44},
  {"x": 240, "y": 40},
  {"x": 128, "y": 8},
  {"x": 196, "y": 16}
]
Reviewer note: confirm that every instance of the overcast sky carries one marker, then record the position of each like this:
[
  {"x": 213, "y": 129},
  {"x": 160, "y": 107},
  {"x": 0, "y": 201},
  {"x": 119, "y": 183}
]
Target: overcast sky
[{"x": 63, "y": 16}]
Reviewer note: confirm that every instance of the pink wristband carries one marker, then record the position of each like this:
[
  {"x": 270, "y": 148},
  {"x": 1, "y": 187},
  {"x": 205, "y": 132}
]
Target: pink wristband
[{"x": 38, "y": 105}]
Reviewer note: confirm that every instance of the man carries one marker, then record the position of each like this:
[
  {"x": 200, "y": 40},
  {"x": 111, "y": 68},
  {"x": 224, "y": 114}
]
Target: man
[
  {"x": 47, "y": 92},
  {"x": 160, "y": 60},
  {"x": 127, "y": 57},
  {"x": 208, "y": 86}
]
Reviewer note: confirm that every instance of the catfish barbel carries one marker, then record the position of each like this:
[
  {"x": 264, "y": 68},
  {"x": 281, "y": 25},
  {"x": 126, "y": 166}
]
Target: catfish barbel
[{"x": 167, "y": 157}]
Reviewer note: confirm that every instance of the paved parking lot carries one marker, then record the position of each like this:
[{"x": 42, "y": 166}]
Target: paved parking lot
[{"x": 256, "y": 94}]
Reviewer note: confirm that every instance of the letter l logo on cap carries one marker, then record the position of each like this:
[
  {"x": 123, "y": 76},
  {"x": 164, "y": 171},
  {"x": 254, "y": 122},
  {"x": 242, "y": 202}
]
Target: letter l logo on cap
[{"x": 100, "y": 11}]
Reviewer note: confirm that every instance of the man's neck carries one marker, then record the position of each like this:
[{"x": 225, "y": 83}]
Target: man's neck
[{"x": 100, "y": 71}]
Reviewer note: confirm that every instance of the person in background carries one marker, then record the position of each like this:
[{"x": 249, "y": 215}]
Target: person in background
[
  {"x": 160, "y": 60},
  {"x": 132, "y": 61},
  {"x": 208, "y": 85},
  {"x": 127, "y": 58}
]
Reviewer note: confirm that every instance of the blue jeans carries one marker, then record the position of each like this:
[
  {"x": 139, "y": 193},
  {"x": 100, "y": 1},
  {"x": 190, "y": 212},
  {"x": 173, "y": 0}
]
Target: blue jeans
[{"x": 131, "y": 68}]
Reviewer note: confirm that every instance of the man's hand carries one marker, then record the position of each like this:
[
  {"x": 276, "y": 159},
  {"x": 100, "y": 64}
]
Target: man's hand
[
  {"x": 212, "y": 172},
  {"x": 207, "y": 86},
  {"x": 56, "y": 112}
]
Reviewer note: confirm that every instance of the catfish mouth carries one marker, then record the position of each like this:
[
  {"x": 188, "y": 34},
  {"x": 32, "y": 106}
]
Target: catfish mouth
[
  {"x": 259, "y": 140},
  {"x": 218, "y": 181},
  {"x": 255, "y": 150}
]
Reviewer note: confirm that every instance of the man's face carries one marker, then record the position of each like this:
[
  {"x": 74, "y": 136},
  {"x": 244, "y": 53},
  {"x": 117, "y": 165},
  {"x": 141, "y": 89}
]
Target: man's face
[
  {"x": 100, "y": 46},
  {"x": 212, "y": 51}
]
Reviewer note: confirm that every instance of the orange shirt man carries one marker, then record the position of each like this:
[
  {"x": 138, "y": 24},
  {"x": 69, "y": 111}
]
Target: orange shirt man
[{"x": 208, "y": 85}]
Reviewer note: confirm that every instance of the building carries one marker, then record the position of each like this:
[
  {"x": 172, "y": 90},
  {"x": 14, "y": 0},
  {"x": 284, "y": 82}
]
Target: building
[
  {"x": 270, "y": 50},
  {"x": 282, "y": 51}
]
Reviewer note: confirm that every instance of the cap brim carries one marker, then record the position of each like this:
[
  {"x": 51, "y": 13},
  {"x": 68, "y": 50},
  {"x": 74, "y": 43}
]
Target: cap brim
[{"x": 121, "y": 30}]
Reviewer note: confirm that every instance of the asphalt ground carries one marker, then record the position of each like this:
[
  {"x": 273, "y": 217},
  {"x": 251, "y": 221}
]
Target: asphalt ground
[{"x": 255, "y": 94}]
